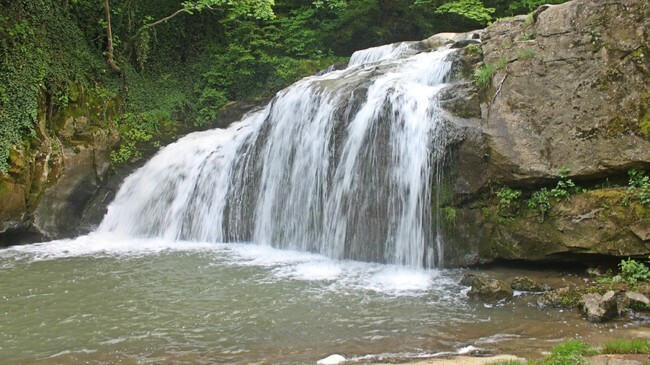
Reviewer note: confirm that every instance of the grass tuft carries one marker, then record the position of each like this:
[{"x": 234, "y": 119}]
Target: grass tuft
[{"x": 621, "y": 346}]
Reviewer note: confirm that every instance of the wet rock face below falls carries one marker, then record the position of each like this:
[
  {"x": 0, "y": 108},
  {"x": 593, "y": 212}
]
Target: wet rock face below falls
[{"x": 569, "y": 91}]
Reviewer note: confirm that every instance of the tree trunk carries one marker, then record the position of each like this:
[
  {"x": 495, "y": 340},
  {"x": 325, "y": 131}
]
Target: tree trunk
[{"x": 109, "y": 39}]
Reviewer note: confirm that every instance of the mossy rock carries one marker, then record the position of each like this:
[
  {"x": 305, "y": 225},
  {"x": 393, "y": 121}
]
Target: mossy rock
[
  {"x": 523, "y": 283},
  {"x": 489, "y": 290}
]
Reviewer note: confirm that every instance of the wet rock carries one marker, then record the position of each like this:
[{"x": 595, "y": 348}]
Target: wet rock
[
  {"x": 558, "y": 298},
  {"x": 636, "y": 299},
  {"x": 599, "y": 308},
  {"x": 469, "y": 279},
  {"x": 523, "y": 283},
  {"x": 489, "y": 290},
  {"x": 631, "y": 300},
  {"x": 641, "y": 229},
  {"x": 464, "y": 43}
]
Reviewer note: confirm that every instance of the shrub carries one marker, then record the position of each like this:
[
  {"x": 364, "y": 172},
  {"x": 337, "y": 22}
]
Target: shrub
[
  {"x": 483, "y": 75},
  {"x": 539, "y": 201},
  {"x": 449, "y": 214},
  {"x": 639, "y": 184},
  {"x": 632, "y": 272},
  {"x": 508, "y": 201}
]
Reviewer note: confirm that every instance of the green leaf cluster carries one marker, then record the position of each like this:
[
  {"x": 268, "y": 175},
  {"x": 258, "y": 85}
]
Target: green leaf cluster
[
  {"x": 639, "y": 185},
  {"x": 43, "y": 53},
  {"x": 470, "y": 9},
  {"x": 509, "y": 201},
  {"x": 632, "y": 272}
]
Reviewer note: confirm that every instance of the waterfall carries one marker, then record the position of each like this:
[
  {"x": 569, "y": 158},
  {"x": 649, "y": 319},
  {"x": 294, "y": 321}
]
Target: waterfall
[{"x": 339, "y": 164}]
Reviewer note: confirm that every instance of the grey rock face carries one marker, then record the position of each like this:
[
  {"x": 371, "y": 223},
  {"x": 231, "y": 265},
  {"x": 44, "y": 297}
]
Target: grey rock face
[{"x": 568, "y": 91}]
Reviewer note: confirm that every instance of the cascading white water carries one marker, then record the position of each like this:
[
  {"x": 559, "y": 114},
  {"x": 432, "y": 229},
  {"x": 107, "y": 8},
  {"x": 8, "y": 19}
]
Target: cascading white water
[
  {"x": 339, "y": 164},
  {"x": 380, "y": 53}
]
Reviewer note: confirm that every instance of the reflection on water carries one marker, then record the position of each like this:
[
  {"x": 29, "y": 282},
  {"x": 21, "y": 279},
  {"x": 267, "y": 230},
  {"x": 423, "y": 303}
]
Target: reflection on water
[{"x": 99, "y": 299}]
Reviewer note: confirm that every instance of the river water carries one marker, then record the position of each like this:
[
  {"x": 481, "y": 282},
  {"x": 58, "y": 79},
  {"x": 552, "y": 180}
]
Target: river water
[{"x": 103, "y": 299}]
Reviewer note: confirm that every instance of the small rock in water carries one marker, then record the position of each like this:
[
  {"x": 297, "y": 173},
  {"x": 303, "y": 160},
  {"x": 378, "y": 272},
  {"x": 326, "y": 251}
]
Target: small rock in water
[
  {"x": 599, "y": 308},
  {"x": 523, "y": 283},
  {"x": 468, "y": 279},
  {"x": 490, "y": 290},
  {"x": 331, "y": 360},
  {"x": 558, "y": 298}
]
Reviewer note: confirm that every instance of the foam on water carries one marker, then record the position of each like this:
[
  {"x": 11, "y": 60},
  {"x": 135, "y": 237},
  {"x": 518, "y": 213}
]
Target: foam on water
[{"x": 283, "y": 264}]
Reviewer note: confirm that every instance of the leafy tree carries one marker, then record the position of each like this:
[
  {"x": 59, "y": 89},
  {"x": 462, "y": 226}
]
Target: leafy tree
[{"x": 473, "y": 10}]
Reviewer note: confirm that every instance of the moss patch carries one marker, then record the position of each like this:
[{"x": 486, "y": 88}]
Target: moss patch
[{"x": 644, "y": 125}]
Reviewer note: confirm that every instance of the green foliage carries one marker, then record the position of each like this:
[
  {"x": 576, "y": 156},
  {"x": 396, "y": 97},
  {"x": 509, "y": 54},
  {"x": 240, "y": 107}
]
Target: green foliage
[
  {"x": 259, "y": 9},
  {"x": 644, "y": 124},
  {"x": 565, "y": 187},
  {"x": 474, "y": 48},
  {"x": 470, "y": 9},
  {"x": 43, "y": 53},
  {"x": 525, "y": 54},
  {"x": 520, "y": 6},
  {"x": 620, "y": 346},
  {"x": 509, "y": 201},
  {"x": 528, "y": 37},
  {"x": 530, "y": 19},
  {"x": 639, "y": 185},
  {"x": 450, "y": 214},
  {"x": 483, "y": 75},
  {"x": 539, "y": 201},
  {"x": 632, "y": 272},
  {"x": 502, "y": 62},
  {"x": 571, "y": 352}
]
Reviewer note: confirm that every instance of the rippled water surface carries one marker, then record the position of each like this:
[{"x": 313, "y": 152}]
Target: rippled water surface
[{"x": 99, "y": 299}]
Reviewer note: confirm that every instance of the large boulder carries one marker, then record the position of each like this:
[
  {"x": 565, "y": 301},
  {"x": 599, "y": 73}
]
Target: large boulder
[
  {"x": 599, "y": 308},
  {"x": 569, "y": 92}
]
